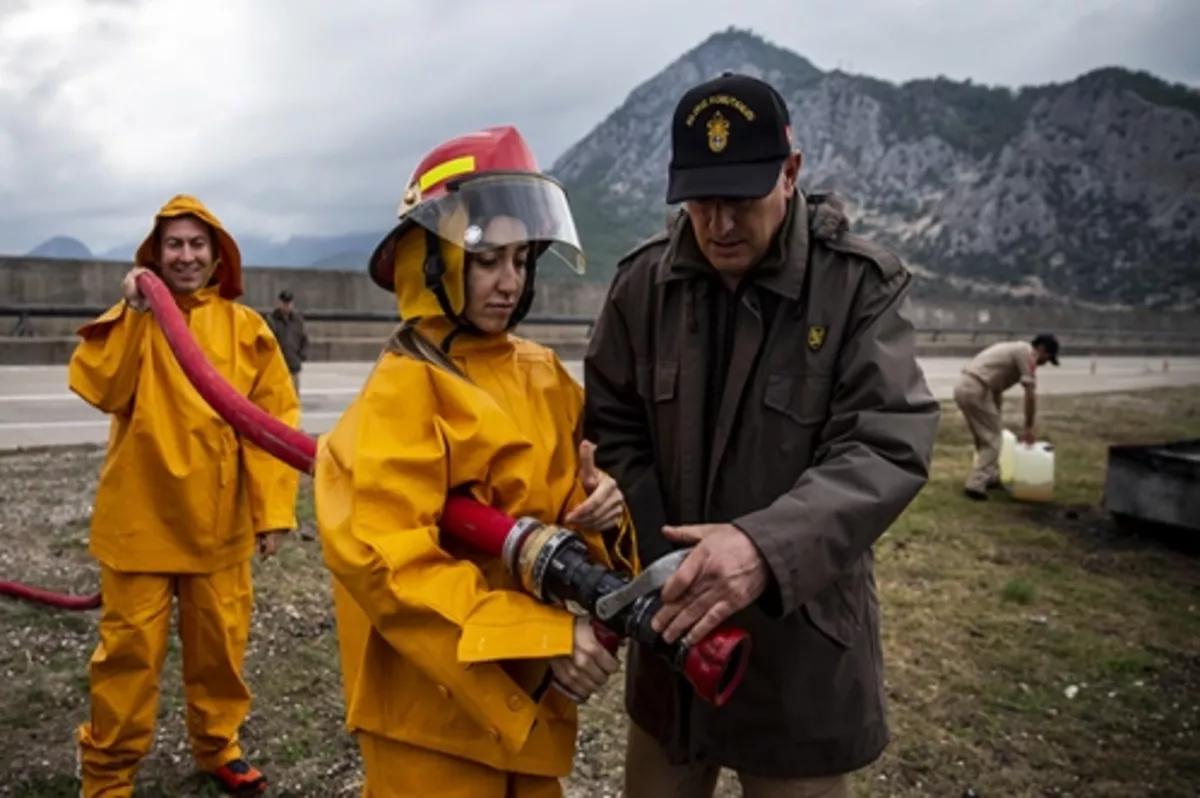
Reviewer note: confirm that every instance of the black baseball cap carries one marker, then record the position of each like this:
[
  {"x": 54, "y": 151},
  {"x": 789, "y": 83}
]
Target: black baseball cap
[
  {"x": 1050, "y": 344},
  {"x": 285, "y": 295},
  {"x": 729, "y": 139}
]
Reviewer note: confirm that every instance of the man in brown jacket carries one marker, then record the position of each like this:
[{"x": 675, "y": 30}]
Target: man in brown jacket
[
  {"x": 752, "y": 385},
  {"x": 980, "y": 396}
]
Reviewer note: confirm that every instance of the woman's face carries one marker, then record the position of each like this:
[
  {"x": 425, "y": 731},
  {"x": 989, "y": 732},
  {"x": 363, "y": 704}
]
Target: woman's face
[{"x": 496, "y": 277}]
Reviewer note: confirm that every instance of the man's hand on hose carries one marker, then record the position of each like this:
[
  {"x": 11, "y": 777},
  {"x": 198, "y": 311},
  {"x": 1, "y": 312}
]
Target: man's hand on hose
[
  {"x": 589, "y": 666},
  {"x": 724, "y": 573},
  {"x": 605, "y": 503},
  {"x": 129, "y": 288},
  {"x": 268, "y": 542}
]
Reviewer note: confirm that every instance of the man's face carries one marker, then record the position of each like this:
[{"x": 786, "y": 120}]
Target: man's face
[
  {"x": 185, "y": 254},
  {"x": 734, "y": 234},
  {"x": 1043, "y": 357},
  {"x": 286, "y": 305}
]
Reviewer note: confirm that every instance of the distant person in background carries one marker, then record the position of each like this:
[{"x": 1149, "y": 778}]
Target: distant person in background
[
  {"x": 288, "y": 326},
  {"x": 980, "y": 394}
]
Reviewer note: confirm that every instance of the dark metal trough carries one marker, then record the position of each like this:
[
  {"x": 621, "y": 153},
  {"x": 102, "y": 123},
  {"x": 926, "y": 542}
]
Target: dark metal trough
[{"x": 1155, "y": 484}]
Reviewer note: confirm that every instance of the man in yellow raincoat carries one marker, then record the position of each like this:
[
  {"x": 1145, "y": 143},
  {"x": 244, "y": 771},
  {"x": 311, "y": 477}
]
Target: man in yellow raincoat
[
  {"x": 181, "y": 506},
  {"x": 449, "y": 669}
]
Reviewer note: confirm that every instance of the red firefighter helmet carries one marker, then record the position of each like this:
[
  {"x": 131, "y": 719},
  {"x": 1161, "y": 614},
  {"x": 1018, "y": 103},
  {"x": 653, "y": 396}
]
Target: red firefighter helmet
[{"x": 450, "y": 200}]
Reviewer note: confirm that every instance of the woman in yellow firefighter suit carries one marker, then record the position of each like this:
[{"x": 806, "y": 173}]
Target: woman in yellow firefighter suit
[
  {"x": 181, "y": 505},
  {"x": 446, "y": 664}
]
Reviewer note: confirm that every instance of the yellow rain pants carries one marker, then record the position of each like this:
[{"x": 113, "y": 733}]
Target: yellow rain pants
[{"x": 214, "y": 617}]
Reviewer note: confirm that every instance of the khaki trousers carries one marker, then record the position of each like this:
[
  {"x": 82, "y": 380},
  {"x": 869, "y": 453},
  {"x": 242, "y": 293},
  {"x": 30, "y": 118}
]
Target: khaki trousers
[
  {"x": 981, "y": 409},
  {"x": 648, "y": 774}
]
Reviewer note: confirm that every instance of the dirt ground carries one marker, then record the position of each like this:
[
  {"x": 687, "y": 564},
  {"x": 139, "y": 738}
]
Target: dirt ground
[{"x": 1032, "y": 650}]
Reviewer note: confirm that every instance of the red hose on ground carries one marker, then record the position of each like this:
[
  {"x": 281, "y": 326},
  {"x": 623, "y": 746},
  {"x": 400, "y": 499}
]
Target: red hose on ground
[{"x": 36, "y": 595}]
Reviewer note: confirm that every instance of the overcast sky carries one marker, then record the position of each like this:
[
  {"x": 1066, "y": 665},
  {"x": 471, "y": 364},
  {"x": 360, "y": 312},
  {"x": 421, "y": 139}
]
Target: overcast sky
[{"x": 306, "y": 116}]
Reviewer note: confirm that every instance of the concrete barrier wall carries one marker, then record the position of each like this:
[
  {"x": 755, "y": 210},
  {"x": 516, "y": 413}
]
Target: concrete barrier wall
[{"x": 42, "y": 281}]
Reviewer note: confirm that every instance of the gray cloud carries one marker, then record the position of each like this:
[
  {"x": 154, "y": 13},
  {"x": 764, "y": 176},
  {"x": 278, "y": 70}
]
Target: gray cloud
[{"x": 305, "y": 116}]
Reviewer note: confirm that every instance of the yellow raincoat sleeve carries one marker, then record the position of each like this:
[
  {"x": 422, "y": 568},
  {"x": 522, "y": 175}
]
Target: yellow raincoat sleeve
[
  {"x": 614, "y": 548},
  {"x": 104, "y": 366},
  {"x": 381, "y": 480},
  {"x": 272, "y": 485}
]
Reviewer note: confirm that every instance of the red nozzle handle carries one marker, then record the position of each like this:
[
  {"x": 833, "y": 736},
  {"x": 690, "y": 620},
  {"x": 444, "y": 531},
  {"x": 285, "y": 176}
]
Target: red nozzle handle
[
  {"x": 607, "y": 637},
  {"x": 715, "y": 666}
]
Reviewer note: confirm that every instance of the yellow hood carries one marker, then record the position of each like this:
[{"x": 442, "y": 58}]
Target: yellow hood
[
  {"x": 227, "y": 273},
  {"x": 407, "y": 254}
]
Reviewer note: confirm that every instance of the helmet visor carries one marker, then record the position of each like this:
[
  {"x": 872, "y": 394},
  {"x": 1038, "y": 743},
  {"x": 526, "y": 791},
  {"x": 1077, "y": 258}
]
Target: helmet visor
[{"x": 497, "y": 209}]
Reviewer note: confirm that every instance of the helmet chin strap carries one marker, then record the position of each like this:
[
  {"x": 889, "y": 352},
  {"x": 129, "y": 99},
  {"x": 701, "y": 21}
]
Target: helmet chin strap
[{"x": 435, "y": 270}]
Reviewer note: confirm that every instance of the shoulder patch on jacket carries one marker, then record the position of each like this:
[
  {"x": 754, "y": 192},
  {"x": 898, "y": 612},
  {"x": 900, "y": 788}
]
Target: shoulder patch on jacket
[{"x": 888, "y": 262}]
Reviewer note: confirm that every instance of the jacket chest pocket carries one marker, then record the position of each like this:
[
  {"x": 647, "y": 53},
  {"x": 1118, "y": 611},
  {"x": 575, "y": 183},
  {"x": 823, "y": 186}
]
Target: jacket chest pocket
[
  {"x": 795, "y": 409},
  {"x": 802, "y": 399},
  {"x": 657, "y": 385},
  {"x": 656, "y": 381}
]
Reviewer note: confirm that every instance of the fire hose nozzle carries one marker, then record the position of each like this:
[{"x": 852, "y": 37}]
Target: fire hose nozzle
[
  {"x": 715, "y": 665},
  {"x": 553, "y": 564}
]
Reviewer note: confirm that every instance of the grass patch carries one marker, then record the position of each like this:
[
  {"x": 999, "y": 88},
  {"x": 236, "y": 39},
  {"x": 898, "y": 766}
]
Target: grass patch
[
  {"x": 1019, "y": 591},
  {"x": 1030, "y": 649}
]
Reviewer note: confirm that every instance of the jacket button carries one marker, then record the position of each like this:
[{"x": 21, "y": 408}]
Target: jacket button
[
  {"x": 495, "y": 735},
  {"x": 444, "y": 690},
  {"x": 514, "y": 702}
]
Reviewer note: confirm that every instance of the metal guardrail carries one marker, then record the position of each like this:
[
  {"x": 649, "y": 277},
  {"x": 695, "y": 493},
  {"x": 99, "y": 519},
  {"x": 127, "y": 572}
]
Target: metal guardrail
[{"x": 25, "y": 313}]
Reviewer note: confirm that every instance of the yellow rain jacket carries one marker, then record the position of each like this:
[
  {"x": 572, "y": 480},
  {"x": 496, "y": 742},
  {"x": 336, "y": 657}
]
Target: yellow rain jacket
[
  {"x": 180, "y": 491},
  {"x": 440, "y": 648}
]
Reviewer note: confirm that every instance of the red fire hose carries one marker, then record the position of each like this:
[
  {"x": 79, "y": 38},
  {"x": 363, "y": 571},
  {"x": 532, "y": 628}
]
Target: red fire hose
[
  {"x": 63, "y": 601},
  {"x": 550, "y": 562}
]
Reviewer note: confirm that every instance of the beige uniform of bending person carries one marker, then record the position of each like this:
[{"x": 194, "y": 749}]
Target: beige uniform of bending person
[{"x": 979, "y": 395}]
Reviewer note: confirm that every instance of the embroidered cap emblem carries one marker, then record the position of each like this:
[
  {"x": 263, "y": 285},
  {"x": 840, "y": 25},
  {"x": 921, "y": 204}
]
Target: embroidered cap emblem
[
  {"x": 816, "y": 337},
  {"x": 718, "y": 132}
]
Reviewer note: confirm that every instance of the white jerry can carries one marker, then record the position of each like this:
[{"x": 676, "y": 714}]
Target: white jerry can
[
  {"x": 1008, "y": 447},
  {"x": 1033, "y": 472}
]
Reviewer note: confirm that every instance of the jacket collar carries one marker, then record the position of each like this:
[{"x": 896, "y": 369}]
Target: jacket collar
[
  {"x": 463, "y": 342},
  {"x": 781, "y": 270}
]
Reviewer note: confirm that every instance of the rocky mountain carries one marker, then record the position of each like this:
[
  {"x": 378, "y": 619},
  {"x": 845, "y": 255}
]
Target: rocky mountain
[{"x": 1086, "y": 191}]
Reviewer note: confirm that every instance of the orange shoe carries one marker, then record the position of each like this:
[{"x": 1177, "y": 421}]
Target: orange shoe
[{"x": 237, "y": 777}]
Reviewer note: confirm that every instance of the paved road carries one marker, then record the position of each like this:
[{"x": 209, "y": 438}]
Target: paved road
[{"x": 37, "y": 410}]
